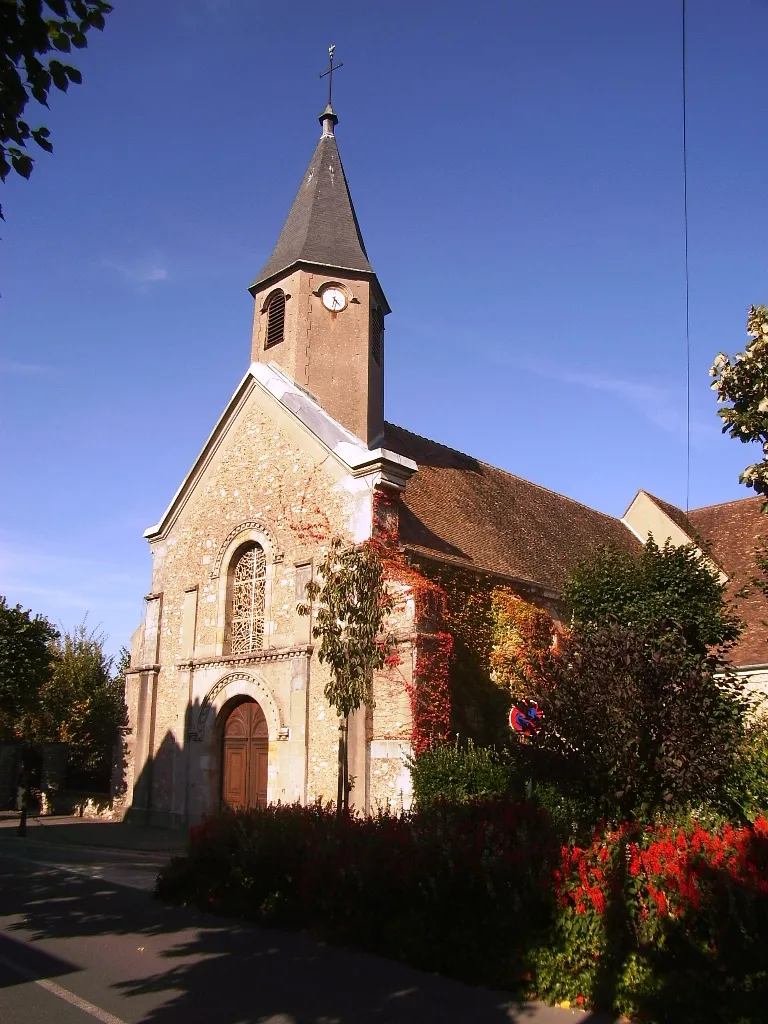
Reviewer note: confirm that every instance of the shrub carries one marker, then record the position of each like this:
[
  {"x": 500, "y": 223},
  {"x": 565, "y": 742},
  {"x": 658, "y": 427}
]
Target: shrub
[
  {"x": 643, "y": 721},
  {"x": 459, "y": 773},
  {"x": 466, "y": 772},
  {"x": 450, "y": 889}
]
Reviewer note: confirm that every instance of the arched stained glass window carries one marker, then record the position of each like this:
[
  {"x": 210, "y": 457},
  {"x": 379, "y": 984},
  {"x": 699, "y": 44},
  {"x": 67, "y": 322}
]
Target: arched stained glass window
[{"x": 248, "y": 578}]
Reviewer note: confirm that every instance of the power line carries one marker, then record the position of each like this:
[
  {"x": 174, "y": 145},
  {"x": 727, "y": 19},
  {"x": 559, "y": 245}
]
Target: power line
[{"x": 687, "y": 288}]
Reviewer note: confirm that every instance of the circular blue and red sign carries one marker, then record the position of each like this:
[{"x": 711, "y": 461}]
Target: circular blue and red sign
[{"x": 525, "y": 717}]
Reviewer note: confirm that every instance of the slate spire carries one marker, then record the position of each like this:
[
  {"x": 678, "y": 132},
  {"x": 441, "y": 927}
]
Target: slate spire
[{"x": 322, "y": 227}]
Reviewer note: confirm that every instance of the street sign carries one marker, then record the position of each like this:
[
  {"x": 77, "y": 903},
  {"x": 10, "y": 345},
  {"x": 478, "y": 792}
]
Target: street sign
[{"x": 525, "y": 717}]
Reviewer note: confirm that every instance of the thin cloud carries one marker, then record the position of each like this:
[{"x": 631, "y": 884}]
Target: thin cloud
[
  {"x": 22, "y": 369},
  {"x": 146, "y": 271},
  {"x": 661, "y": 405},
  {"x": 30, "y": 574}
]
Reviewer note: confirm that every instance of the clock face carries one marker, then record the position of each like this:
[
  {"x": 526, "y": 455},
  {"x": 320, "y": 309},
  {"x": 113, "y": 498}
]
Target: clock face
[{"x": 334, "y": 299}]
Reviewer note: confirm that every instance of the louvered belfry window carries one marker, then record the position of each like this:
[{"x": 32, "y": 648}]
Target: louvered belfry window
[
  {"x": 249, "y": 577},
  {"x": 275, "y": 318},
  {"x": 377, "y": 333}
]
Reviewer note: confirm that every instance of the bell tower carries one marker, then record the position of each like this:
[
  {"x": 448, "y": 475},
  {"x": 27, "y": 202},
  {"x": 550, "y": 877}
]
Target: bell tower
[{"x": 319, "y": 309}]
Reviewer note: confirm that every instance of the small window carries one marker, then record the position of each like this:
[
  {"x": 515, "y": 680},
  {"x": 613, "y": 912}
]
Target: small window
[
  {"x": 275, "y": 318},
  {"x": 377, "y": 333}
]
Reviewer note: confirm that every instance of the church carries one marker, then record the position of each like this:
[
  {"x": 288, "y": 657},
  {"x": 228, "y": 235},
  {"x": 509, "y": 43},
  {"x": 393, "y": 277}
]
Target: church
[{"x": 225, "y": 689}]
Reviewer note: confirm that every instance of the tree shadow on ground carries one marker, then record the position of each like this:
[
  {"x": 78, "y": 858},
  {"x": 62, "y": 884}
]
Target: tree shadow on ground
[{"x": 175, "y": 964}]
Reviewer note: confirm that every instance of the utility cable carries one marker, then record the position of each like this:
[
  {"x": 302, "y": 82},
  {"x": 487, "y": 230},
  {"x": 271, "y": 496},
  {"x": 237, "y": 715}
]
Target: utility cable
[{"x": 687, "y": 276}]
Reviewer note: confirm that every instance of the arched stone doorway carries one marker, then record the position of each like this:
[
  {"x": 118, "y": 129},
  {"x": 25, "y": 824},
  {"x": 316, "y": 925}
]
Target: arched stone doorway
[{"x": 244, "y": 756}]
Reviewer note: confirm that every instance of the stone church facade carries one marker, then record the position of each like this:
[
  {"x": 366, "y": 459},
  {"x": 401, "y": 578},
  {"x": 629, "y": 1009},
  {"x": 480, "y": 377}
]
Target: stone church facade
[
  {"x": 225, "y": 689},
  {"x": 295, "y": 460}
]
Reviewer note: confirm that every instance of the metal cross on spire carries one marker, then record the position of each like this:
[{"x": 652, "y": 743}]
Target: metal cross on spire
[{"x": 331, "y": 68}]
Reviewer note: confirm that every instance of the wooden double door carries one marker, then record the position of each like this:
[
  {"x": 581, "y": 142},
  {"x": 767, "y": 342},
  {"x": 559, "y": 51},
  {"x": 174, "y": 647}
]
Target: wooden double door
[{"x": 244, "y": 757}]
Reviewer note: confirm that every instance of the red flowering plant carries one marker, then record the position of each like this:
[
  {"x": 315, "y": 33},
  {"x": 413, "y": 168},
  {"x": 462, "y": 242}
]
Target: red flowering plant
[{"x": 661, "y": 921}]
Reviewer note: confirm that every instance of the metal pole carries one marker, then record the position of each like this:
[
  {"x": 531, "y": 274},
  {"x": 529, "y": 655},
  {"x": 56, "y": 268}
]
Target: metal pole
[
  {"x": 340, "y": 787},
  {"x": 23, "y": 787}
]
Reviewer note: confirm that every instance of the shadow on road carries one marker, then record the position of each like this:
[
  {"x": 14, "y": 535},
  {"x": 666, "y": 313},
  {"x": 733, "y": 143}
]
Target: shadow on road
[
  {"x": 33, "y": 961},
  {"x": 202, "y": 968}
]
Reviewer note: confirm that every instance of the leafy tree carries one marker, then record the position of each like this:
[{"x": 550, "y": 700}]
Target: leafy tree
[
  {"x": 640, "y": 721},
  {"x": 29, "y": 30},
  {"x": 653, "y": 592},
  {"x": 26, "y": 666},
  {"x": 743, "y": 382},
  {"x": 352, "y": 602},
  {"x": 83, "y": 705}
]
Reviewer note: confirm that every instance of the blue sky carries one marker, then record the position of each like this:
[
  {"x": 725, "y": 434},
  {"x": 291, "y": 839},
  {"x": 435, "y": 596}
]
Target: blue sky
[{"x": 517, "y": 170}]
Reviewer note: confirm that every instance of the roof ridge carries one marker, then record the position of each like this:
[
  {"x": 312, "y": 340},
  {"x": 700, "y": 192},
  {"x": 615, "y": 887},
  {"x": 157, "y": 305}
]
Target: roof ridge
[
  {"x": 731, "y": 501},
  {"x": 671, "y": 504},
  {"x": 421, "y": 437},
  {"x": 506, "y": 472}
]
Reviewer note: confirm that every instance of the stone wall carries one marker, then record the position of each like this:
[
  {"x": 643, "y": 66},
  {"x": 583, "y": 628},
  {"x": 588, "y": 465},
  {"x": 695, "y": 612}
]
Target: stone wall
[{"x": 271, "y": 481}]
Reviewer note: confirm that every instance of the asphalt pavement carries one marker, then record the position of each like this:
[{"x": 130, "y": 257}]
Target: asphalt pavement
[{"x": 82, "y": 939}]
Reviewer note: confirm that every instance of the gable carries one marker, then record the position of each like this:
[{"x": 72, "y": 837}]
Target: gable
[
  {"x": 648, "y": 514},
  {"x": 267, "y": 396}
]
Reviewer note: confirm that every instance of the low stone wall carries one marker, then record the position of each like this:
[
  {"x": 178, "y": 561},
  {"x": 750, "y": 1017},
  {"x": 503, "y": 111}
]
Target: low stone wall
[{"x": 80, "y": 805}]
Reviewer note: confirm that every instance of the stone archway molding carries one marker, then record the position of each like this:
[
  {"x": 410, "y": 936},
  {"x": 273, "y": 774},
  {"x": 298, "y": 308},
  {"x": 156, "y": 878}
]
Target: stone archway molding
[
  {"x": 244, "y": 530},
  {"x": 237, "y": 684}
]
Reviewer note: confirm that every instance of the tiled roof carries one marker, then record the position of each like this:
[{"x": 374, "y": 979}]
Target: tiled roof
[
  {"x": 322, "y": 225},
  {"x": 459, "y": 508},
  {"x": 733, "y": 530}
]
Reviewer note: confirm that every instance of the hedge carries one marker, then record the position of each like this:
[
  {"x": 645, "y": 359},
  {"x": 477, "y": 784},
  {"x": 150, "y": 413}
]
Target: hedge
[{"x": 664, "y": 922}]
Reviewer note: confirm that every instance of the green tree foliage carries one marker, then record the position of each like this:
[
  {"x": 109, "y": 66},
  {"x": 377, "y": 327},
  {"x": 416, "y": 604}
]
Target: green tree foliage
[
  {"x": 26, "y": 666},
  {"x": 748, "y": 785},
  {"x": 653, "y": 592},
  {"x": 743, "y": 383},
  {"x": 83, "y": 705},
  {"x": 352, "y": 603},
  {"x": 639, "y": 720},
  {"x": 29, "y": 31}
]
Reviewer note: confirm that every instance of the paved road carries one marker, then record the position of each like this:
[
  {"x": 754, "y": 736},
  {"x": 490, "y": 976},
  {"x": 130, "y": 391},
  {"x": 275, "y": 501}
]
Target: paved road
[{"x": 81, "y": 939}]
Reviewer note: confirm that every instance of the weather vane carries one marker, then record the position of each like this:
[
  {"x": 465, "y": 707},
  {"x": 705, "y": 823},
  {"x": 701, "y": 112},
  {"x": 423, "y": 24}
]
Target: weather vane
[{"x": 331, "y": 68}]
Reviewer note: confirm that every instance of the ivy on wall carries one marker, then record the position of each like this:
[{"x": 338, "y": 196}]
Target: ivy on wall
[
  {"x": 479, "y": 644},
  {"x": 429, "y": 688},
  {"x": 523, "y": 636}
]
